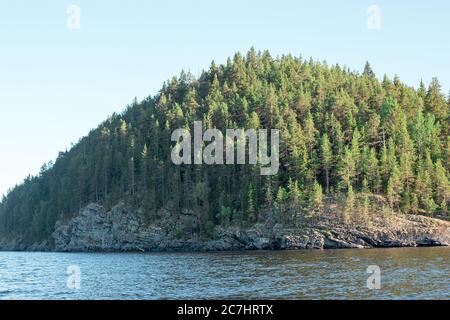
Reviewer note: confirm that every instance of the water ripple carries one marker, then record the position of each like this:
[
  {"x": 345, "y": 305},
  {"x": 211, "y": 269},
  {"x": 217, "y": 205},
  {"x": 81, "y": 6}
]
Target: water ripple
[{"x": 408, "y": 273}]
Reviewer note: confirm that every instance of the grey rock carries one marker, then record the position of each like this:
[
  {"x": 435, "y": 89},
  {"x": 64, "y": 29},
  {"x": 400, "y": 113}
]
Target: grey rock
[{"x": 122, "y": 229}]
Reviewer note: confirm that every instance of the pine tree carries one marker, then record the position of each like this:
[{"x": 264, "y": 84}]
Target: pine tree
[
  {"x": 356, "y": 152},
  {"x": 422, "y": 91},
  {"x": 365, "y": 203},
  {"x": 310, "y": 133},
  {"x": 349, "y": 205},
  {"x": 423, "y": 187},
  {"x": 373, "y": 177},
  {"x": 368, "y": 72},
  {"x": 435, "y": 100},
  {"x": 281, "y": 203},
  {"x": 269, "y": 195},
  {"x": 347, "y": 169},
  {"x": 442, "y": 186},
  {"x": 327, "y": 157},
  {"x": 316, "y": 201},
  {"x": 294, "y": 195},
  {"x": 251, "y": 209},
  {"x": 144, "y": 167},
  {"x": 394, "y": 188}
]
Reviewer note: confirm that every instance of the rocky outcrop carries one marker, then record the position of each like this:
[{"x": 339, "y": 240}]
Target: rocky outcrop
[
  {"x": 123, "y": 229},
  {"x": 120, "y": 229}
]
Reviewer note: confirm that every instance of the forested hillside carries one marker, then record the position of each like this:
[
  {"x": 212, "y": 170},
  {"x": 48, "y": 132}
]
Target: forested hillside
[{"x": 343, "y": 134}]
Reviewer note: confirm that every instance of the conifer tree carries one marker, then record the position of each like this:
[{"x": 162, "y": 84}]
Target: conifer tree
[
  {"x": 347, "y": 169},
  {"x": 349, "y": 205},
  {"x": 281, "y": 203},
  {"x": 327, "y": 156},
  {"x": 295, "y": 195},
  {"x": 368, "y": 70},
  {"x": 251, "y": 209},
  {"x": 365, "y": 203},
  {"x": 316, "y": 200},
  {"x": 442, "y": 187},
  {"x": 394, "y": 188},
  {"x": 435, "y": 100}
]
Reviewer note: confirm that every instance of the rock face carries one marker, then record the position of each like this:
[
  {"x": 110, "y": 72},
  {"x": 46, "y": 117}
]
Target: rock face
[{"x": 120, "y": 229}]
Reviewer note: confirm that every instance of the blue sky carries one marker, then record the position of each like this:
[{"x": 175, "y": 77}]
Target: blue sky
[{"x": 56, "y": 83}]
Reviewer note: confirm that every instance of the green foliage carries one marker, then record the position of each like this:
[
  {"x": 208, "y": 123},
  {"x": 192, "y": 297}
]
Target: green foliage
[
  {"x": 368, "y": 71},
  {"x": 327, "y": 158},
  {"x": 350, "y": 203},
  {"x": 340, "y": 131},
  {"x": 435, "y": 101},
  {"x": 281, "y": 205},
  {"x": 316, "y": 200},
  {"x": 250, "y": 209}
]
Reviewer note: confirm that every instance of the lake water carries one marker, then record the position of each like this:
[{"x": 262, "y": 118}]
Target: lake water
[{"x": 406, "y": 273}]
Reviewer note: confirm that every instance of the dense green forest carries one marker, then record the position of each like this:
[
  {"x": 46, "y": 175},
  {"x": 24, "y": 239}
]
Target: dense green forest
[{"x": 342, "y": 134}]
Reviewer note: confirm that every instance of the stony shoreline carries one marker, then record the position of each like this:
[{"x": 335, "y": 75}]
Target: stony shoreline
[{"x": 120, "y": 230}]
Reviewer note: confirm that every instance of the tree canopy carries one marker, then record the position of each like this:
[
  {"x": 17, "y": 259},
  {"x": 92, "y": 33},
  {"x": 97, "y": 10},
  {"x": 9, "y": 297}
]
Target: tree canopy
[{"x": 341, "y": 132}]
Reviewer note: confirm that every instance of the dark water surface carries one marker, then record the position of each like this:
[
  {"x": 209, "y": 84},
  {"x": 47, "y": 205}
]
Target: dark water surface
[{"x": 406, "y": 273}]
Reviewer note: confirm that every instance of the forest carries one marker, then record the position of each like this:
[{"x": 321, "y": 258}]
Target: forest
[{"x": 343, "y": 134}]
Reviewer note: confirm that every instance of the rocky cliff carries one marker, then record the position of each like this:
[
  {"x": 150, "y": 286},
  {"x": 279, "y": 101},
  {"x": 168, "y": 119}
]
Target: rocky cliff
[
  {"x": 119, "y": 229},
  {"x": 122, "y": 229}
]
